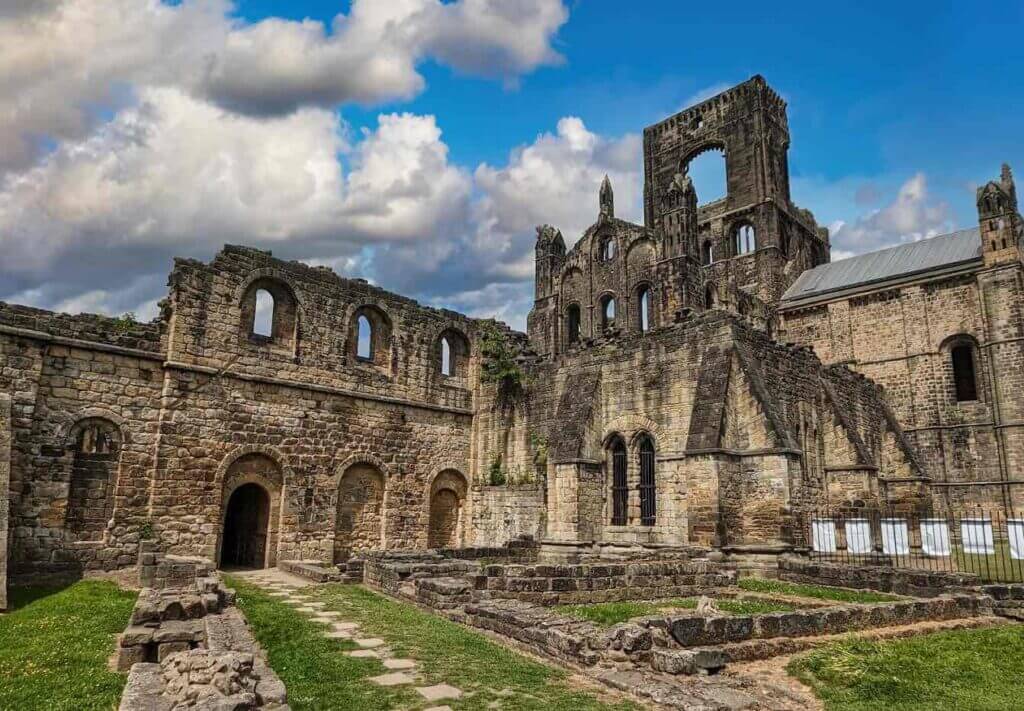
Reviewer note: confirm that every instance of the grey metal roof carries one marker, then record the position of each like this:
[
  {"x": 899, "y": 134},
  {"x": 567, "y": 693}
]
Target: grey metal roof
[{"x": 886, "y": 264}]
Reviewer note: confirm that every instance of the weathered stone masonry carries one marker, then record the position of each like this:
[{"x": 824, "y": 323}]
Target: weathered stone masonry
[
  {"x": 195, "y": 408},
  {"x": 5, "y": 472},
  {"x": 277, "y": 412}
]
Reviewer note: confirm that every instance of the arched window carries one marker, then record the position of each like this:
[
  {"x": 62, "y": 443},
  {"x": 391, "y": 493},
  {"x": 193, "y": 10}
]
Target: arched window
[
  {"x": 446, "y": 357},
  {"x": 706, "y": 255},
  {"x": 364, "y": 348},
  {"x": 607, "y": 311},
  {"x": 745, "y": 239},
  {"x": 607, "y": 249},
  {"x": 643, "y": 299},
  {"x": 269, "y": 313},
  {"x": 370, "y": 336},
  {"x": 648, "y": 506},
  {"x": 263, "y": 318},
  {"x": 572, "y": 318},
  {"x": 620, "y": 484},
  {"x": 709, "y": 296},
  {"x": 964, "y": 376},
  {"x": 452, "y": 353}
]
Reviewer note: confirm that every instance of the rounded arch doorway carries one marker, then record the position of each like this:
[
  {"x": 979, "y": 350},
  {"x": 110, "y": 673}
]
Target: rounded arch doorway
[
  {"x": 246, "y": 527},
  {"x": 447, "y": 494}
]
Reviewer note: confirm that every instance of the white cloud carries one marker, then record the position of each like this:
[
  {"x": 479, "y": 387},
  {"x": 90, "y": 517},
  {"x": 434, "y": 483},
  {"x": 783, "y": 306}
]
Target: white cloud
[
  {"x": 64, "y": 66},
  {"x": 555, "y": 180},
  {"x": 175, "y": 175},
  {"x": 136, "y": 130},
  {"x": 913, "y": 215}
]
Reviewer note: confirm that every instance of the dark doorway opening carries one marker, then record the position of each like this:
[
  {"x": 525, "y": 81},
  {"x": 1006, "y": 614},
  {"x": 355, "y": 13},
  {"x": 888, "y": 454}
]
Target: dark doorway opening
[{"x": 245, "y": 528}]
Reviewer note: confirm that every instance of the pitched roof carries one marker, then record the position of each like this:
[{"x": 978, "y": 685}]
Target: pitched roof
[{"x": 893, "y": 263}]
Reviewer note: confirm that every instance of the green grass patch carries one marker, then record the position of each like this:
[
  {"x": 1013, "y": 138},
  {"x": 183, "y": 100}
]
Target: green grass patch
[
  {"x": 611, "y": 613},
  {"x": 819, "y": 592},
  {"x": 1000, "y": 567},
  {"x": 55, "y": 643},
  {"x": 319, "y": 676},
  {"x": 314, "y": 669},
  {"x": 979, "y": 670}
]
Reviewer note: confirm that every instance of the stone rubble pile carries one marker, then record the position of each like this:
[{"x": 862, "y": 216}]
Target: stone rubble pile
[{"x": 188, "y": 647}]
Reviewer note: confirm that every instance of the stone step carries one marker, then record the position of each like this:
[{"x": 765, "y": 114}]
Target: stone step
[
  {"x": 717, "y": 656},
  {"x": 310, "y": 570}
]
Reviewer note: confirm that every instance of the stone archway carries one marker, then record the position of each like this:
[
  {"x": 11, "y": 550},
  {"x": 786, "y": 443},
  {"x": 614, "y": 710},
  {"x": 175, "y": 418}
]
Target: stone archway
[
  {"x": 447, "y": 496},
  {"x": 250, "y": 511},
  {"x": 359, "y": 523},
  {"x": 246, "y": 527}
]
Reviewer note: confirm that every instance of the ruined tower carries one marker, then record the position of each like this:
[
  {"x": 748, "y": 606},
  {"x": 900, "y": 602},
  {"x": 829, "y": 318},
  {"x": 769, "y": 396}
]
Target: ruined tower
[
  {"x": 999, "y": 220},
  {"x": 753, "y": 242}
]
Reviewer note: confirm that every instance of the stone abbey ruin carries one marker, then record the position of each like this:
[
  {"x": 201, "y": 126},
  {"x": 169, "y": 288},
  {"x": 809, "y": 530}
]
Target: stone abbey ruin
[{"x": 693, "y": 386}]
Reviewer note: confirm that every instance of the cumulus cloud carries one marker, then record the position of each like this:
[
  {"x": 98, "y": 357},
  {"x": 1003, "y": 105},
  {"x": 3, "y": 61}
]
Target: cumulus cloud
[
  {"x": 136, "y": 130},
  {"x": 175, "y": 175},
  {"x": 554, "y": 179},
  {"x": 913, "y": 215},
  {"x": 64, "y": 66}
]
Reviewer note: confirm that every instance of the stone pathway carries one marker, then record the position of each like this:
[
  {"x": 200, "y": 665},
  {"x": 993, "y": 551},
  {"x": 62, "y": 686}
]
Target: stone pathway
[{"x": 399, "y": 672}]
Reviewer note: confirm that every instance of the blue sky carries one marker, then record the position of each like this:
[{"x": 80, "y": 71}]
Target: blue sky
[
  {"x": 877, "y": 91},
  {"x": 418, "y": 142}
]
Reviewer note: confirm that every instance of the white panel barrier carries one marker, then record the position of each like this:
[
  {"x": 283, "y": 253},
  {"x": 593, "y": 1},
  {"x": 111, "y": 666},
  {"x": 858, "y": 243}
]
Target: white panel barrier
[
  {"x": 1015, "y": 532},
  {"x": 895, "y": 536},
  {"x": 976, "y": 534},
  {"x": 823, "y": 535},
  {"x": 858, "y": 535},
  {"x": 935, "y": 536}
]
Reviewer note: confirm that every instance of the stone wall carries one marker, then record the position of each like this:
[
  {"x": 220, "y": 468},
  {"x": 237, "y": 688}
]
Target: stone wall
[
  {"x": 198, "y": 407},
  {"x": 745, "y": 433},
  {"x": 5, "y": 472},
  {"x": 900, "y": 337},
  {"x": 602, "y": 582},
  {"x": 901, "y": 581},
  {"x": 1008, "y": 600},
  {"x": 504, "y": 513}
]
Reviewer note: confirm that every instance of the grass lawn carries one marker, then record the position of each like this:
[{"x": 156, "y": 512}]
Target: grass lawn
[
  {"x": 1000, "y": 567},
  {"x": 54, "y": 646},
  {"x": 970, "y": 670},
  {"x": 815, "y": 591},
  {"x": 319, "y": 676},
  {"x": 612, "y": 613}
]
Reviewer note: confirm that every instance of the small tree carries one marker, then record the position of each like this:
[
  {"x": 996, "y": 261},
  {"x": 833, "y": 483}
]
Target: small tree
[{"x": 125, "y": 322}]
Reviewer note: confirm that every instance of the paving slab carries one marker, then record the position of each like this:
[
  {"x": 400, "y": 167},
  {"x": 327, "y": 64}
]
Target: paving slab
[
  {"x": 392, "y": 679},
  {"x": 362, "y": 653},
  {"x": 339, "y": 634},
  {"x": 370, "y": 642},
  {"x": 439, "y": 708},
  {"x": 438, "y": 692},
  {"x": 399, "y": 664}
]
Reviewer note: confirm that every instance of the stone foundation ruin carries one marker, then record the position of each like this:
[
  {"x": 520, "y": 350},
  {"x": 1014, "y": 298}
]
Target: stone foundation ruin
[{"x": 188, "y": 647}]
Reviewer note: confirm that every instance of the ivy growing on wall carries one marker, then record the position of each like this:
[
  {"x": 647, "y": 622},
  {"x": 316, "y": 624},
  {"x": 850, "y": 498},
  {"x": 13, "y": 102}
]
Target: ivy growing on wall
[
  {"x": 498, "y": 357},
  {"x": 497, "y": 475}
]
